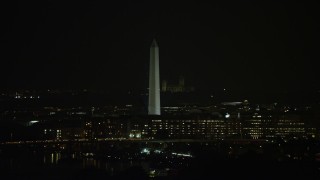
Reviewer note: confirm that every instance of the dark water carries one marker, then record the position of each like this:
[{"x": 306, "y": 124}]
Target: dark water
[
  {"x": 56, "y": 165},
  {"x": 36, "y": 163}
]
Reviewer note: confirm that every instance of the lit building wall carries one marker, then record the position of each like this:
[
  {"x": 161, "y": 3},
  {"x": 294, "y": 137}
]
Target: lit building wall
[
  {"x": 184, "y": 129},
  {"x": 254, "y": 127},
  {"x": 289, "y": 127},
  {"x": 72, "y": 133}
]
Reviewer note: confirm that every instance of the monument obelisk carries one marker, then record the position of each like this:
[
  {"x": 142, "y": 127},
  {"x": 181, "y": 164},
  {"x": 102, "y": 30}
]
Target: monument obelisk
[{"x": 154, "y": 80}]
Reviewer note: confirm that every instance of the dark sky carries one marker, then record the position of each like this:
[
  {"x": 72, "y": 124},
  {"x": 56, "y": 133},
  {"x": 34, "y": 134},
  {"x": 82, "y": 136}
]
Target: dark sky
[{"x": 244, "y": 46}]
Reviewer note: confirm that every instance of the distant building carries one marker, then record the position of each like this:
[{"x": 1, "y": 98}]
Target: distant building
[
  {"x": 267, "y": 126},
  {"x": 174, "y": 88},
  {"x": 179, "y": 128},
  {"x": 212, "y": 126}
]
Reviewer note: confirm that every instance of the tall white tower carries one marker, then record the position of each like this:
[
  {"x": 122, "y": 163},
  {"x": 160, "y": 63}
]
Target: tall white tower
[{"x": 154, "y": 80}]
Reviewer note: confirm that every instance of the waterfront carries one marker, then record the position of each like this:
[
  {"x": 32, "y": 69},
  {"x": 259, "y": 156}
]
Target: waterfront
[{"x": 144, "y": 160}]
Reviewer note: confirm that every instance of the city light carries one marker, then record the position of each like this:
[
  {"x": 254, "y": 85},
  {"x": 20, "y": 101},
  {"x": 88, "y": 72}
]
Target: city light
[{"x": 145, "y": 151}]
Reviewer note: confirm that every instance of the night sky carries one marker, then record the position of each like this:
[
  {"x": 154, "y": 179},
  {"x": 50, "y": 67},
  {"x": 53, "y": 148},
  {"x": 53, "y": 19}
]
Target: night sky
[{"x": 243, "y": 46}]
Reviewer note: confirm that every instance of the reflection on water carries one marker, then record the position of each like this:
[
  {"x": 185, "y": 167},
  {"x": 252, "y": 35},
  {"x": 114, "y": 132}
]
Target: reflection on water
[
  {"x": 112, "y": 167},
  {"x": 51, "y": 158},
  {"x": 71, "y": 161},
  {"x": 54, "y": 158}
]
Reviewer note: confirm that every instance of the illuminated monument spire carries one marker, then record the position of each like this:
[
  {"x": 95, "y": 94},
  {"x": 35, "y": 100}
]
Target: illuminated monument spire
[{"x": 154, "y": 80}]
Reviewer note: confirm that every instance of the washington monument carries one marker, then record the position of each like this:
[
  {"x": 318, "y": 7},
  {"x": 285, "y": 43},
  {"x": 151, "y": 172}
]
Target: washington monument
[{"x": 154, "y": 80}]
